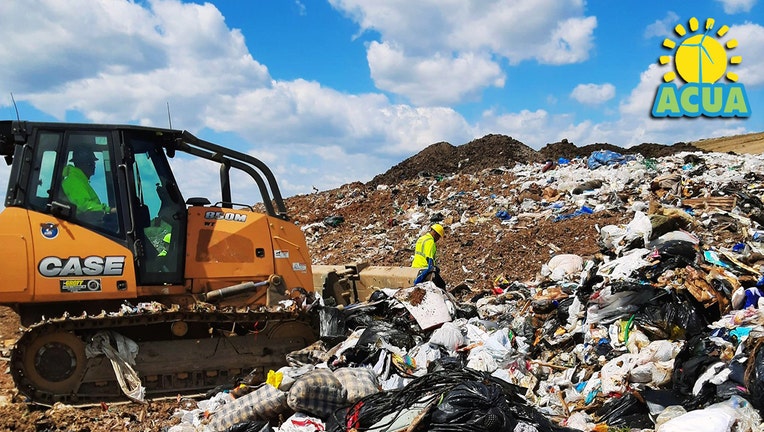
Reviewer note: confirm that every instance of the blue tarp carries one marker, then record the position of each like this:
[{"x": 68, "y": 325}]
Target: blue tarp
[{"x": 606, "y": 157}]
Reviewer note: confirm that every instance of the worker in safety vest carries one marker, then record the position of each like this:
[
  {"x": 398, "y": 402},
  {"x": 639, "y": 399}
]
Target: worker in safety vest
[
  {"x": 425, "y": 256},
  {"x": 166, "y": 244},
  {"x": 76, "y": 182}
]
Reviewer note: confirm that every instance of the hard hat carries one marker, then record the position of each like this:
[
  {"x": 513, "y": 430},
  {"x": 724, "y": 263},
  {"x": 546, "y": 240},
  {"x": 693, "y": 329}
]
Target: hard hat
[
  {"x": 83, "y": 154},
  {"x": 166, "y": 238},
  {"x": 438, "y": 229}
]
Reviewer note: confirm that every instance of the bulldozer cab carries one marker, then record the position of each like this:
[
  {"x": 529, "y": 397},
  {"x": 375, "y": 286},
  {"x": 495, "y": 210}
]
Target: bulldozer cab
[
  {"x": 94, "y": 213},
  {"x": 114, "y": 181}
]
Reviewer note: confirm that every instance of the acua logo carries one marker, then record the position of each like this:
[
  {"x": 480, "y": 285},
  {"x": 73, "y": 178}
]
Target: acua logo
[{"x": 700, "y": 60}]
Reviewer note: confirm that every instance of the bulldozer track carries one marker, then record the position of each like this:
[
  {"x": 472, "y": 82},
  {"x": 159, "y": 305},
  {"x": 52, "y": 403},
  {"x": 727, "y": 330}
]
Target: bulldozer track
[{"x": 48, "y": 363}]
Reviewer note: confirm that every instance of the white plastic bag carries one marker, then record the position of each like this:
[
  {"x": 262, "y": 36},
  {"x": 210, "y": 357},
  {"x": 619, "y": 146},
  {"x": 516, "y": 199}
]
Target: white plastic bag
[
  {"x": 615, "y": 372},
  {"x": 301, "y": 423},
  {"x": 639, "y": 227},
  {"x": 449, "y": 336},
  {"x": 562, "y": 266},
  {"x": 719, "y": 417},
  {"x": 480, "y": 359}
]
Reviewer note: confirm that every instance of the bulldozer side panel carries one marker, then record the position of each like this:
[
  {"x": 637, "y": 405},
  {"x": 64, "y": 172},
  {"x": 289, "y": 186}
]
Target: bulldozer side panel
[
  {"x": 15, "y": 256},
  {"x": 72, "y": 263},
  {"x": 225, "y": 245},
  {"x": 291, "y": 254}
]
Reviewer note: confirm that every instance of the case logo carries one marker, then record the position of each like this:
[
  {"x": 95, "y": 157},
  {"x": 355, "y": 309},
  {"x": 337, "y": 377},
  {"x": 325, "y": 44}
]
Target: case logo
[{"x": 78, "y": 266}]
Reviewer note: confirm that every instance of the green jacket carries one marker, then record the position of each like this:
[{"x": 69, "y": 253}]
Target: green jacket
[
  {"x": 77, "y": 188},
  {"x": 425, "y": 250}
]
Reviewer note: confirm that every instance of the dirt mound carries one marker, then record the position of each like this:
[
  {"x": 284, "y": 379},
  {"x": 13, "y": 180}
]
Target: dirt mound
[
  {"x": 495, "y": 150},
  {"x": 568, "y": 150},
  {"x": 490, "y": 151},
  {"x": 649, "y": 150},
  {"x": 435, "y": 159},
  {"x": 563, "y": 149}
]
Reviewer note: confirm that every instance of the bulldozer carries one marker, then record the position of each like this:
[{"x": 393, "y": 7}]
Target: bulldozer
[{"x": 145, "y": 294}]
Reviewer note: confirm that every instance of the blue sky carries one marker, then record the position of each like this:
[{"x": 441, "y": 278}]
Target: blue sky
[{"x": 330, "y": 92}]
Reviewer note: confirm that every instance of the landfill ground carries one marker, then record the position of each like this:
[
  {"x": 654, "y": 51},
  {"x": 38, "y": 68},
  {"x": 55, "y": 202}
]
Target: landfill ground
[{"x": 462, "y": 187}]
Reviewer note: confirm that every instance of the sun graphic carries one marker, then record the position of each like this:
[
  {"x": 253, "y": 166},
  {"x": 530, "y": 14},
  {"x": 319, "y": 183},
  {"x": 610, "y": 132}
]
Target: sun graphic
[{"x": 700, "y": 58}]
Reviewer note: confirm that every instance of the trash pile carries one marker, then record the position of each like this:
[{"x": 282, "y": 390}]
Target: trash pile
[{"x": 660, "y": 328}]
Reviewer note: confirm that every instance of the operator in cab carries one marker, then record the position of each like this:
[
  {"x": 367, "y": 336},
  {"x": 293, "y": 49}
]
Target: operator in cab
[
  {"x": 425, "y": 256},
  {"x": 76, "y": 183}
]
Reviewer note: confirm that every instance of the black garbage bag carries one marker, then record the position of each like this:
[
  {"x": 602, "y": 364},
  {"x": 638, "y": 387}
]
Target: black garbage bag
[
  {"x": 475, "y": 406},
  {"x": 672, "y": 254},
  {"x": 670, "y": 315},
  {"x": 684, "y": 251},
  {"x": 331, "y": 324},
  {"x": 625, "y": 411},
  {"x": 618, "y": 300},
  {"x": 362, "y": 315},
  {"x": 358, "y": 320},
  {"x": 388, "y": 333},
  {"x": 658, "y": 400},
  {"x": 250, "y": 426},
  {"x": 466, "y": 311},
  {"x": 367, "y": 350},
  {"x": 754, "y": 375},
  {"x": 694, "y": 358},
  {"x": 447, "y": 362},
  {"x": 471, "y": 401},
  {"x": 562, "y": 310}
]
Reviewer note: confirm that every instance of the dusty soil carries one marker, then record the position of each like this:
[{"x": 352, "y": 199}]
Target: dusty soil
[
  {"x": 740, "y": 144},
  {"x": 449, "y": 184}
]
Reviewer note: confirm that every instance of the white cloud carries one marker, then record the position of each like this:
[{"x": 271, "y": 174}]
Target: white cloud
[
  {"x": 636, "y": 126},
  {"x": 432, "y": 80},
  {"x": 301, "y": 9},
  {"x": 571, "y": 42},
  {"x": 303, "y": 112},
  {"x": 750, "y": 39},
  {"x": 428, "y": 44},
  {"x": 737, "y": 6},
  {"x": 593, "y": 94},
  {"x": 116, "y": 61},
  {"x": 664, "y": 27}
]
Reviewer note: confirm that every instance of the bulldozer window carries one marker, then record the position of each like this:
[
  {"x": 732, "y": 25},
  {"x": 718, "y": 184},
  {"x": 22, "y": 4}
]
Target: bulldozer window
[
  {"x": 160, "y": 216},
  {"x": 43, "y": 169},
  {"x": 87, "y": 181}
]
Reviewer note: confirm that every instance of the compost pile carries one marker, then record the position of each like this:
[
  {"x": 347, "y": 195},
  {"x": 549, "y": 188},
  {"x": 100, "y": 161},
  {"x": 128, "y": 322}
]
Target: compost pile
[{"x": 588, "y": 288}]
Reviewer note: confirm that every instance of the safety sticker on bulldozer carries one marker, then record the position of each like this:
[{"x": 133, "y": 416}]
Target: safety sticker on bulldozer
[{"x": 80, "y": 285}]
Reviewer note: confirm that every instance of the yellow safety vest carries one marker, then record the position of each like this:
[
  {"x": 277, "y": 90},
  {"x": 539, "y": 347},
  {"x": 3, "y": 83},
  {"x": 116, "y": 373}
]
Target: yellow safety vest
[
  {"x": 77, "y": 188},
  {"x": 425, "y": 248}
]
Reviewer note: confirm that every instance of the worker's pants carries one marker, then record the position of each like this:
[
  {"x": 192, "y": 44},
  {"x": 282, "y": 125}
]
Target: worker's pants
[{"x": 434, "y": 276}]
